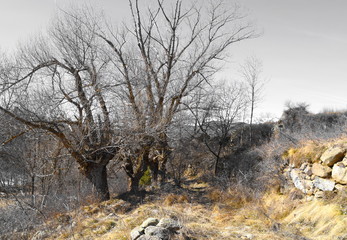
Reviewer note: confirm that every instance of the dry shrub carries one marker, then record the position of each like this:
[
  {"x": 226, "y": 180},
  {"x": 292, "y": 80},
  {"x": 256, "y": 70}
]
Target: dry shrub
[{"x": 174, "y": 199}]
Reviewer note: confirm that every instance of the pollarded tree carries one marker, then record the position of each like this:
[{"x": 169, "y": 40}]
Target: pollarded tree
[
  {"x": 59, "y": 83},
  {"x": 168, "y": 51}
]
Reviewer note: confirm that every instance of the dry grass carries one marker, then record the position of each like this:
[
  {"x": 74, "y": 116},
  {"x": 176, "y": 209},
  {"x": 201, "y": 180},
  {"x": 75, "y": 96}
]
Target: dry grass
[
  {"x": 309, "y": 151},
  {"x": 318, "y": 220}
]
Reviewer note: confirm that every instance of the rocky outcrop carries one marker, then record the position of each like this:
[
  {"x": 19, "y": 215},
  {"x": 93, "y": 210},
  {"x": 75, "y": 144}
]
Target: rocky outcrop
[
  {"x": 155, "y": 229},
  {"x": 328, "y": 174}
]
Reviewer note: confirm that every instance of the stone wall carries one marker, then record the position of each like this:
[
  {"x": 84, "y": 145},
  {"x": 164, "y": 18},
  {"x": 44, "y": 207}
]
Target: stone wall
[{"x": 329, "y": 173}]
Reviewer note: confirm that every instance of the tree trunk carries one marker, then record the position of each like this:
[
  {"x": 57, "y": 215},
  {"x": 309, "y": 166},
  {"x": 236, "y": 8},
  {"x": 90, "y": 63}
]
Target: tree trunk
[
  {"x": 134, "y": 184},
  {"x": 97, "y": 175}
]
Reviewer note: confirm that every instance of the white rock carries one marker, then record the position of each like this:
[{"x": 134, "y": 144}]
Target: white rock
[{"x": 323, "y": 184}]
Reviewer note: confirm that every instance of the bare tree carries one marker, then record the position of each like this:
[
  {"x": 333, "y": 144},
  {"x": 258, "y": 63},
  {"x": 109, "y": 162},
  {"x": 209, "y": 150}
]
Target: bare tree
[
  {"x": 251, "y": 72},
  {"x": 59, "y": 83},
  {"x": 169, "y": 50},
  {"x": 217, "y": 118}
]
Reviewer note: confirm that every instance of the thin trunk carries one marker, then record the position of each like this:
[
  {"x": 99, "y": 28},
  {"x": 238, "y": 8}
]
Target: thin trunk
[
  {"x": 134, "y": 183},
  {"x": 251, "y": 120},
  {"x": 97, "y": 175}
]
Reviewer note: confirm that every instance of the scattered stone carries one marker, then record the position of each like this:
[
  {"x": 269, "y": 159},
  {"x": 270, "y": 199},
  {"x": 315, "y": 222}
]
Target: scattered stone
[
  {"x": 323, "y": 184},
  {"x": 299, "y": 181},
  {"x": 320, "y": 170},
  {"x": 150, "y": 222},
  {"x": 333, "y": 155},
  {"x": 339, "y": 173}
]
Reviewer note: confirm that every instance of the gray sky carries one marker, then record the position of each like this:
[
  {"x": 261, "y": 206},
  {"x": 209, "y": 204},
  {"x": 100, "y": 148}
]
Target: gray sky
[{"x": 303, "y": 48}]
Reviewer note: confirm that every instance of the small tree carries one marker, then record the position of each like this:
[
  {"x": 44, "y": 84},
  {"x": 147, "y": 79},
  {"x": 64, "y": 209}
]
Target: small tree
[
  {"x": 217, "y": 118},
  {"x": 251, "y": 72}
]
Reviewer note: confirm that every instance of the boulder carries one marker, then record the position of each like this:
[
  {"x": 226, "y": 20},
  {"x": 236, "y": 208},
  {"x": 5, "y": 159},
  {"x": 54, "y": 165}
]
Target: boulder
[
  {"x": 320, "y": 170},
  {"x": 323, "y": 184},
  {"x": 159, "y": 232},
  {"x": 333, "y": 155},
  {"x": 339, "y": 173},
  {"x": 136, "y": 233},
  {"x": 150, "y": 222},
  {"x": 169, "y": 224}
]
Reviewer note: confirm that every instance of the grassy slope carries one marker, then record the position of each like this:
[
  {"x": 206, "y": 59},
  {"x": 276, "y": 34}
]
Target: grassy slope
[
  {"x": 207, "y": 212},
  {"x": 204, "y": 212}
]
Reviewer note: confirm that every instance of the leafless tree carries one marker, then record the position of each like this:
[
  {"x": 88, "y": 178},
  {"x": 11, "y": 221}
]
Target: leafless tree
[
  {"x": 218, "y": 117},
  {"x": 251, "y": 72},
  {"x": 59, "y": 83},
  {"x": 167, "y": 52}
]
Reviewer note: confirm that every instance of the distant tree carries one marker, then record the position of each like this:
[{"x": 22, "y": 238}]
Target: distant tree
[
  {"x": 218, "y": 117},
  {"x": 251, "y": 72}
]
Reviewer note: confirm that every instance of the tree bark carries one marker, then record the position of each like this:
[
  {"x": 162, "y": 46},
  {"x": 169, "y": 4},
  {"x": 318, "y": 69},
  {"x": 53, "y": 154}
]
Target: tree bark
[{"x": 97, "y": 175}]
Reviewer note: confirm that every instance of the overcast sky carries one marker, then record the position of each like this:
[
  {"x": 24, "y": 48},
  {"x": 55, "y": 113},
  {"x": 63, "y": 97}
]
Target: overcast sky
[{"x": 303, "y": 46}]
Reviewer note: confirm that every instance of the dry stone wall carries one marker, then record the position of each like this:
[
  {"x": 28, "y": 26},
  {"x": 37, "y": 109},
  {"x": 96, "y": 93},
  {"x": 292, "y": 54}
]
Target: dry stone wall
[{"x": 328, "y": 174}]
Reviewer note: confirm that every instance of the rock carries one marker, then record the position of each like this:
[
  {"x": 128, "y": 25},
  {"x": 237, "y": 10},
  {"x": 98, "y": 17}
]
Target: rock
[
  {"x": 169, "y": 224},
  {"x": 332, "y": 156},
  {"x": 299, "y": 181},
  {"x": 150, "y": 222},
  {"x": 136, "y": 233},
  {"x": 320, "y": 170},
  {"x": 160, "y": 232},
  {"x": 339, "y": 173},
  {"x": 319, "y": 194},
  {"x": 323, "y": 184}
]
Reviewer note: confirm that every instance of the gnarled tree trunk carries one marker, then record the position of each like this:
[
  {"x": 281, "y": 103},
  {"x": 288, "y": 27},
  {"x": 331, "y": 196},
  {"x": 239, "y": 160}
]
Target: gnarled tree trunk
[{"x": 97, "y": 175}]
